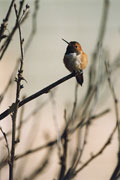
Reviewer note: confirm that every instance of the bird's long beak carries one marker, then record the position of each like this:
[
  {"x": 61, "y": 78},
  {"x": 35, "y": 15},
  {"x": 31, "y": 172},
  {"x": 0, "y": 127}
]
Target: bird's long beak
[{"x": 66, "y": 41}]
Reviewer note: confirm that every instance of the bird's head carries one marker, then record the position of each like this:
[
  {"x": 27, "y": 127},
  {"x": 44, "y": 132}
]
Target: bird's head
[{"x": 73, "y": 47}]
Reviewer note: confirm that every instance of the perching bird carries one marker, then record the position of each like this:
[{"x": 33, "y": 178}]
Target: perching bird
[{"x": 75, "y": 60}]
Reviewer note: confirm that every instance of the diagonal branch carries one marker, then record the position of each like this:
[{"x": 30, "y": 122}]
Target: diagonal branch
[{"x": 37, "y": 94}]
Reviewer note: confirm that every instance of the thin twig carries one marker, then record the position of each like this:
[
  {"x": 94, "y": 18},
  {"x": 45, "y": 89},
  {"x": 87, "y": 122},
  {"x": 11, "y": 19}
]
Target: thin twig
[
  {"x": 5, "y": 20},
  {"x": 8, "y": 40}
]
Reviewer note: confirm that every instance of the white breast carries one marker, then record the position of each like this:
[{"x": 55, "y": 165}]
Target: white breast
[
  {"x": 72, "y": 61},
  {"x": 71, "y": 55}
]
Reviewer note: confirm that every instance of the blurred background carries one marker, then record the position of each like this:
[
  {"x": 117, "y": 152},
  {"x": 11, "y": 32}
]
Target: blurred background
[{"x": 73, "y": 20}]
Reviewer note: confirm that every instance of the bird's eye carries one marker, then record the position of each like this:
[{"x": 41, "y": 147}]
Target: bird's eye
[{"x": 75, "y": 46}]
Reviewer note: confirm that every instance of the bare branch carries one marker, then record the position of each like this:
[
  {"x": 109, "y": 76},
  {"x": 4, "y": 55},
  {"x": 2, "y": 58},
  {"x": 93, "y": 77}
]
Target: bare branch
[
  {"x": 41, "y": 167},
  {"x": 34, "y": 24},
  {"x": 37, "y": 94},
  {"x": 16, "y": 104},
  {"x": 7, "y": 145},
  {"x": 20, "y": 123},
  {"x": 63, "y": 158},
  {"x": 32, "y": 113},
  {"x": 115, "y": 100},
  {"x": 8, "y": 40},
  {"x": 5, "y": 20},
  {"x": 108, "y": 142},
  {"x": 51, "y": 143}
]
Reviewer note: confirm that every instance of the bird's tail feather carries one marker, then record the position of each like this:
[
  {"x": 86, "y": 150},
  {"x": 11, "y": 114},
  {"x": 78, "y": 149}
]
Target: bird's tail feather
[{"x": 79, "y": 77}]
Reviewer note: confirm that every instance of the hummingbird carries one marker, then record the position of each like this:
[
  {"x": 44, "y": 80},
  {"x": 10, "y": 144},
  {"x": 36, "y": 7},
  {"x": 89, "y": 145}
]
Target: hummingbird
[{"x": 75, "y": 60}]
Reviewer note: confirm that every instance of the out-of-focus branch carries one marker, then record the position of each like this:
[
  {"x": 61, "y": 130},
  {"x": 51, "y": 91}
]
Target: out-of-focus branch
[
  {"x": 42, "y": 166},
  {"x": 103, "y": 21},
  {"x": 115, "y": 99},
  {"x": 117, "y": 168},
  {"x": 7, "y": 145},
  {"x": 32, "y": 113},
  {"x": 72, "y": 172},
  {"x": 116, "y": 63},
  {"x": 89, "y": 120},
  {"x": 108, "y": 142},
  {"x": 63, "y": 158},
  {"x": 31, "y": 151},
  {"x": 34, "y": 24},
  {"x": 50, "y": 143},
  {"x": 82, "y": 149},
  {"x": 93, "y": 67},
  {"x": 83, "y": 109},
  {"x": 37, "y": 94},
  {"x": 72, "y": 118},
  {"x": 116, "y": 172}
]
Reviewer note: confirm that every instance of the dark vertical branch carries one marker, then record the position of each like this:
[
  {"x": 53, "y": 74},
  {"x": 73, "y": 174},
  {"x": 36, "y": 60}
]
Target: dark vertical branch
[
  {"x": 20, "y": 123},
  {"x": 63, "y": 158},
  {"x": 16, "y": 105}
]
